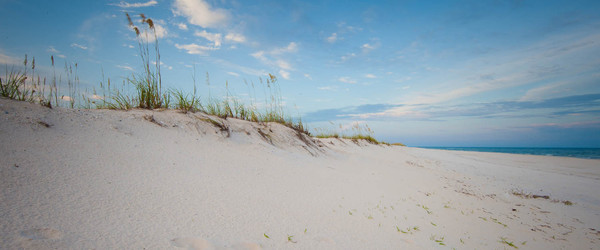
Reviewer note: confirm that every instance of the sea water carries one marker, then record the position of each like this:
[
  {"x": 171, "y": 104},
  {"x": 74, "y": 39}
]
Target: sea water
[{"x": 585, "y": 153}]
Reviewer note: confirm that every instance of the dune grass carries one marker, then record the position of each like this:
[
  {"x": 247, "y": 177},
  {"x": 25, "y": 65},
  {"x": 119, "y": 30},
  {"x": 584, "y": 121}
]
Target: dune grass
[
  {"x": 357, "y": 131},
  {"x": 148, "y": 92}
]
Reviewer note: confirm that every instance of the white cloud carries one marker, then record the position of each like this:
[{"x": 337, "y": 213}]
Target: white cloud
[
  {"x": 216, "y": 38},
  {"x": 195, "y": 49},
  {"x": 347, "y": 57},
  {"x": 370, "y": 76},
  {"x": 307, "y": 76},
  {"x": 346, "y": 79},
  {"x": 52, "y": 50},
  {"x": 284, "y": 74},
  {"x": 234, "y": 37},
  {"x": 367, "y": 47},
  {"x": 75, "y": 45},
  {"x": 332, "y": 38},
  {"x": 283, "y": 64},
  {"x": 260, "y": 55},
  {"x": 233, "y": 74},
  {"x": 182, "y": 26},
  {"x": 330, "y": 88},
  {"x": 125, "y": 67},
  {"x": 9, "y": 60},
  {"x": 347, "y": 28},
  {"x": 292, "y": 47},
  {"x": 274, "y": 58},
  {"x": 124, "y": 4},
  {"x": 200, "y": 13}
]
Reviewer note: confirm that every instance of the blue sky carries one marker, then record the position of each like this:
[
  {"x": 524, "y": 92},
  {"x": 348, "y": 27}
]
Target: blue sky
[{"x": 425, "y": 73}]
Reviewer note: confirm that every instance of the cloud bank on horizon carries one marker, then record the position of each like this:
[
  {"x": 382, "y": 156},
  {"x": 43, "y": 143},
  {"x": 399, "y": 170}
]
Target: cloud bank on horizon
[{"x": 459, "y": 73}]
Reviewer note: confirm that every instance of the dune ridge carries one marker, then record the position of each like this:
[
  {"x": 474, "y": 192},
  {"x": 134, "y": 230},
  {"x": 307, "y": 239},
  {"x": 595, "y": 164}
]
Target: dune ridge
[{"x": 161, "y": 179}]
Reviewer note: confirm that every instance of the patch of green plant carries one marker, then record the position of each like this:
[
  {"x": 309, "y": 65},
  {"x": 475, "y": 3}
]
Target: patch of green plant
[
  {"x": 439, "y": 240},
  {"x": 425, "y": 208},
  {"x": 290, "y": 239},
  {"x": 409, "y": 230},
  {"x": 504, "y": 240},
  {"x": 498, "y": 222}
]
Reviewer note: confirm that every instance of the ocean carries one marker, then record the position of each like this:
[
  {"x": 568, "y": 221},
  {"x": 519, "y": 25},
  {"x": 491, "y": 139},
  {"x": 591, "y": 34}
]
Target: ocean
[{"x": 585, "y": 153}]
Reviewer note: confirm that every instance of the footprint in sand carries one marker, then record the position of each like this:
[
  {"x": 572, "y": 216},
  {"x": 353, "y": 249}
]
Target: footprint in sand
[
  {"x": 42, "y": 234},
  {"x": 192, "y": 243}
]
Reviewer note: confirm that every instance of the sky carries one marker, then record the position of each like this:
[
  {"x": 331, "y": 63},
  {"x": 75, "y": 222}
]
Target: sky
[{"x": 496, "y": 73}]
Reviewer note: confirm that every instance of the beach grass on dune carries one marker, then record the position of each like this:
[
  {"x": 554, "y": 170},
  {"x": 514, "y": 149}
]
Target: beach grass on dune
[{"x": 148, "y": 92}]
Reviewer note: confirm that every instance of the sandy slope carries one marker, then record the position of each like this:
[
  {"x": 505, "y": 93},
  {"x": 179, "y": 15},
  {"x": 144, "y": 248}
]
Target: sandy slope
[{"x": 101, "y": 179}]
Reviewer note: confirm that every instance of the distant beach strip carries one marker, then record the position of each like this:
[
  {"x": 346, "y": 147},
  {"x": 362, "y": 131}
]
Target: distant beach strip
[{"x": 583, "y": 153}]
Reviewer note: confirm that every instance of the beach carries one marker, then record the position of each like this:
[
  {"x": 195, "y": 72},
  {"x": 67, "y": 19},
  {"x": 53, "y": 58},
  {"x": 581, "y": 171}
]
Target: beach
[{"x": 163, "y": 179}]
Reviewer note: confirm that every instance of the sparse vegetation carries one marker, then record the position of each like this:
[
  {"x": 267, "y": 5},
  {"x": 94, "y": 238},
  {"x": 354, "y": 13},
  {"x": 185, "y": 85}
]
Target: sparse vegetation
[
  {"x": 290, "y": 239},
  {"x": 524, "y": 195},
  {"x": 409, "y": 230},
  {"x": 357, "y": 131},
  {"x": 439, "y": 240},
  {"x": 504, "y": 240},
  {"x": 148, "y": 91}
]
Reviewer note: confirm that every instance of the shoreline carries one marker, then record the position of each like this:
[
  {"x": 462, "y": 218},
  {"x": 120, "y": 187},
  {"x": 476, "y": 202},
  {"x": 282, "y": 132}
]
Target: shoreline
[{"x": 595, "y": 152}]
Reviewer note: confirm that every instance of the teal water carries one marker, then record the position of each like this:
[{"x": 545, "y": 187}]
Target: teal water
[{"x": 585, "y": 153}]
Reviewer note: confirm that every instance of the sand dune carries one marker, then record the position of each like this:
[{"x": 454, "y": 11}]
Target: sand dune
[{"x": 104, "y": 179}]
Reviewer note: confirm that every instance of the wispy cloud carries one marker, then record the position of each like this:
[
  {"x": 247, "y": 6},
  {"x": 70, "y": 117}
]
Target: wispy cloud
[
  {"x": 332, "y": 38},
  {"x": 195, "y": 49},
  {"x": 54, "y": 51},
  {"x": 328, "y": 88},
  {"x": 233, "y": 74},
  {"x": 368, "y": 47},
  {"x": 200, "y": 13},
  {"x": 75, "y": 45},
  {"x": 345, "y": 112},
  {"x": 346, "y": 79},
  {"x": 584, "y": 124},
  {"x": 182, "y": 26},
  {"x": 517, "y": 68},
  {"x": 290, "y": 48},
  {"x": 275, "y": 58},
  {"x": 284, "y": 74},
  {"x": 125, "y": 67},
  {"x": 215, "y": 38},
  {"x": 235, "y": 37},
  {"x": 124, "y": 4},
  {"x": 371, "y": 76},
  {"x": 9, "y": 60},
  {"x": 570, "y": 105},
  {"x": 347, "y": 57}
]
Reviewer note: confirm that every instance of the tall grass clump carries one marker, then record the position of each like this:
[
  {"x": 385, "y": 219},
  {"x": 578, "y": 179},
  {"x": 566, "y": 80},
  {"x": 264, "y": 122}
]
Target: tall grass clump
[
  {"x": 184, "y": 101},
  {"x": 19, "y": 85},
  {"x": 13, "y": 84},
  {"x": 148, "y": 84}
]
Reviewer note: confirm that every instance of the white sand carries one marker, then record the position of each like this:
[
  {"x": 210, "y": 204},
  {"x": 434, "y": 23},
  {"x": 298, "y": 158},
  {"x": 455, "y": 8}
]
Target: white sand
[{"x": 102, "y": 179}]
